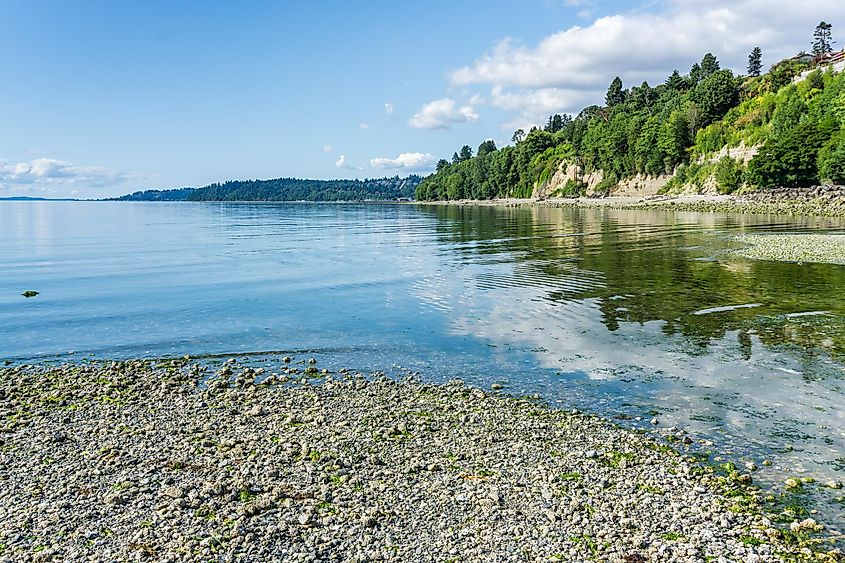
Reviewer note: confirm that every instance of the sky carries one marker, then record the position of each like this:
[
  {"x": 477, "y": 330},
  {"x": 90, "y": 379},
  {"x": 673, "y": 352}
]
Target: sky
[{"x": 101, "y": 98}]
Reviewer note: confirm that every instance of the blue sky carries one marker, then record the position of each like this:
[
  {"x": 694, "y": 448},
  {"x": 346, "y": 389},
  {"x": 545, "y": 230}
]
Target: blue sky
[{"x": 104, "y": 97}]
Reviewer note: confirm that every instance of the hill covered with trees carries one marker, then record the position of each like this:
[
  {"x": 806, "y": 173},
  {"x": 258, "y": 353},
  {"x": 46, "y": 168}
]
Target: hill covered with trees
[
  {"x": 788, "y": 123},
  {"x": 289, "y": 189}
]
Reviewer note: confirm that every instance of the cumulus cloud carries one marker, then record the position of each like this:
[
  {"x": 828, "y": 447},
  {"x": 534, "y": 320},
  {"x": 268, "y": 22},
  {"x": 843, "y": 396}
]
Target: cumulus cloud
[
  {"x": 328, "y": 148},
  {"x": 441, "y": 114},
  {"x": 388, "y": 108},
  {"x": 573, "y": 67},
  {"x": 52, "y": 172},
  {"x": 341, "y": 162},
  {"x": 405, "y": 161}
]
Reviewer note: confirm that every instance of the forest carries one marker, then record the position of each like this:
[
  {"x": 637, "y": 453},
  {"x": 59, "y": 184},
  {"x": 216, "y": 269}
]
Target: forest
[
  {"x": 288, "y": 189},
  {"x": 793, "y": 115}
]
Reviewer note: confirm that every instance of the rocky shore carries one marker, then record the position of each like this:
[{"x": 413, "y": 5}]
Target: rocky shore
[
  {"x": 166, "y": 461},
  {"x": 819, "y": 201}
]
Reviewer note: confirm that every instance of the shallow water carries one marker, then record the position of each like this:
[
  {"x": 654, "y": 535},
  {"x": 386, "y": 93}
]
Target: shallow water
[{"x": 626, "y": 313}]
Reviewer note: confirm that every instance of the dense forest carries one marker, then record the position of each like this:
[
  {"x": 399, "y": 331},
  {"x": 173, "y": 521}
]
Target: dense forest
[
  {"x": 289, "y": 189},
  {"x": 793, "y": 116}
]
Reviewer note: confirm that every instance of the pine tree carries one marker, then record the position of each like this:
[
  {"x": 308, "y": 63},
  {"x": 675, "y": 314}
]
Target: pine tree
[
  {"x": 615, "y": 95},
  {"x": 466, "y": 153},
  {"x": 695, "y": 74},
  {"x": 821, "y": 39},
  {"x": 755, "y": 62},
  {"x": 709, "y": 66},
  {"x": 675, "y": 81}
]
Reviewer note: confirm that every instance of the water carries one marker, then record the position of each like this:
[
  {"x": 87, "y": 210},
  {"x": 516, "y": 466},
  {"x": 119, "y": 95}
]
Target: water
[{"x": 626, "y": 313}]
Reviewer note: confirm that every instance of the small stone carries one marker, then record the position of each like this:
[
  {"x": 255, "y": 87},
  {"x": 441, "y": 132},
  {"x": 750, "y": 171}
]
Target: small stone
[
  {"x": 312, "y": 361},
  {"x": 304, "y": 519},
  {"x": 750, "y": 466},
  {"x": 496, "y": 386},
  {"x": 792, "y": 483},
  {"x": 655, "y": 422},
  {"x": 257, "y": 410},
  {"x": 834, "y": 484}
]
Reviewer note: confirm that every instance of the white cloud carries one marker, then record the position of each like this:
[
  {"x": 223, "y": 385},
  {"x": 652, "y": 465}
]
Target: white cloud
[
  {"x": 328, "y": 148},
  {"x": 572, "y": 68},
  {"x": 341, "y": 162},
  {"x": 388, "y": 108},
  {"x": 57, "y": 173},
  {"x": 441, "y": 114},
  {"x": 364, "y": 126},
  {"x": 405, "y": 161}
]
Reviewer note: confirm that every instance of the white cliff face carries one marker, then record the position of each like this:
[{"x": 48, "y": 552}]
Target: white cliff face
[{"x": 639, "y": 185}]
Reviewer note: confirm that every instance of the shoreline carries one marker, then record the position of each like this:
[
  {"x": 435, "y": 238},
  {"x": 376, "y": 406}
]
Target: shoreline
[
  {"x": 818, "y": 202},
  {"x": 159, "y": 459}
]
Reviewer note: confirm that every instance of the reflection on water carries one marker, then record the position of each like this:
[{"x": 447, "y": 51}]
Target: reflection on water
[{"x": 622, "y": 312}]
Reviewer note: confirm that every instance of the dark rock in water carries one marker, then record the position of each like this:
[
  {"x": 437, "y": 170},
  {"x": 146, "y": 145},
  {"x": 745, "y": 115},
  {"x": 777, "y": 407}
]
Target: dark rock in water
[{"x": 29, "y": 293}]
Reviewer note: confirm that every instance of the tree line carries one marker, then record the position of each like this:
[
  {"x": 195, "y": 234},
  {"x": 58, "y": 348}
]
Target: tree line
[
  {"x": 673, "y": 128},
  {"x": 289, "y": 189}
]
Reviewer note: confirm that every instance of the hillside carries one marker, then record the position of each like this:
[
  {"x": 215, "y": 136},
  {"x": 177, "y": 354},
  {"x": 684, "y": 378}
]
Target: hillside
[
  {"x": 708, "y": 130},
  {"x": 288, "y": 189}
]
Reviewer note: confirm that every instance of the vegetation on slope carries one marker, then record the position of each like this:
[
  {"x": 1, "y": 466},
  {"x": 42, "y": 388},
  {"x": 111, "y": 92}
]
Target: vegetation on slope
[
  {"x": 289, "y": 189},
  {"x": 676, "y": 128}
]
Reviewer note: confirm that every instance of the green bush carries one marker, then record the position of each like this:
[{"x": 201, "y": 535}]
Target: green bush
[
  {"x": 728, "y": 174},
  {"x": 832, "y": 160}
]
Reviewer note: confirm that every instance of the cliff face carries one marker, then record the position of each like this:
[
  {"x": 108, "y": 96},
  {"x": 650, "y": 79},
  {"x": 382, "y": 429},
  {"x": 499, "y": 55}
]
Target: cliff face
[{"x": 638, "y": 185}]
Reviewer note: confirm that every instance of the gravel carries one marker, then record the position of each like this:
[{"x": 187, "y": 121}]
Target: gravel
[
  {"x": 162, "y": 461},
  {"x": 819, "y": 248}
]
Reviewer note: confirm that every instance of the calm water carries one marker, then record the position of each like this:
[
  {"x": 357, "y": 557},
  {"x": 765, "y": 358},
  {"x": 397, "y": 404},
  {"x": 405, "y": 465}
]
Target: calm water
[{"x": 630, "y": 314}]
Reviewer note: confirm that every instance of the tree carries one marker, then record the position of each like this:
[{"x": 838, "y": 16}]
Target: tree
[
  {"x": 832, "y": 160},
  {"x": 455, "y": 158},
  {"x": 791, "y": 160},
  {"x": 486, "y": 147},
  {"x": 709, "y": 66},
  {"x": 675, "y": 81},
  {"x": 615, "y": 95},
  {"x": 557, "y": 122},
  {"x": 465, "y": 154},
  {"x": 755, "y": 62},
  {"x": 441, "y": 164},
  {"x": 695, "y": 74},
  {"x": 715, "y": 95},
  {"x": 821, "y": 39},
  {"x": 518, "y": 136}
]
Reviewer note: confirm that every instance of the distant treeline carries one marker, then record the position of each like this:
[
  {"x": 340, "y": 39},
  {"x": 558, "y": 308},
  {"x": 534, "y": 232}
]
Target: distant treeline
[{"x": 289, "y": 189}]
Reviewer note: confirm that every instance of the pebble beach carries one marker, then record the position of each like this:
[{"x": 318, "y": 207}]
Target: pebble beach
[{"x": 169, "y": 461}]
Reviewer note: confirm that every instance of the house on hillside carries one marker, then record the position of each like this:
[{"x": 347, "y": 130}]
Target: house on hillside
[
  {"x": 830, "y": 58},
  {"x": 803, "y": 58}
]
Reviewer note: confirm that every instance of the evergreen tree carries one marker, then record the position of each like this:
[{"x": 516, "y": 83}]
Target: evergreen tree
[
  {"x": 821, "y": 39},
  {"x": 486, "y": 147},
  {"x": 755, "y": 62},
  {"x": 518, "y": 136},
  {"x": 709, "y": 66},
  {"x": 466, "y": 153},
  {"x": 675, "y": 81},
  {"x": 695, "y": 74},
  {"x": 455, "y": 158},
  {"x": 441, "y": 164},
  {"x": 615, "y": 95}
]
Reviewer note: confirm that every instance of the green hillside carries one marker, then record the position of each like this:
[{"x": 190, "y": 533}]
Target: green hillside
[{"x": 680, "y": 129}]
